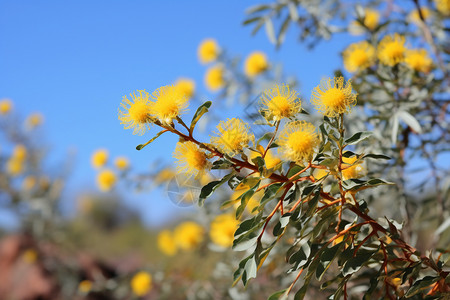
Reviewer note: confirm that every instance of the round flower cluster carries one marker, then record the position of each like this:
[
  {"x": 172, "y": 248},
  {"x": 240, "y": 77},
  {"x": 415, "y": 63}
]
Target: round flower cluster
[{"x": 106, "y": 177}]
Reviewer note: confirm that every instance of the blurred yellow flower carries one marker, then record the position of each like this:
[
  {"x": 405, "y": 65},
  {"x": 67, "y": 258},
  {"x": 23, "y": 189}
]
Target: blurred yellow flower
[
  {"x": 222, "y": 230},
  {"x": 443, "y": 6},
  {"x": 418, "y": 60},
  {"x": 208, "y": 51},
  {"x": 6, "y": 106},
  {"x": 164, "y": 175},
  {"x": 166, "y": 243},
  {"x": 359, "y": 56},
  {"x": 29, "y": 182},
  {"x": 333, "y": 97},
  {"x": 354, "y": 171},
  {"x": 233, "y": 136},
  {"x": 256, "y": 63},
  {"x": 270, "y": 159},
  {"x": 106, "y": 179},
  {"x": 169, "y": 103},
  {"x": 320, "y": 173},
  {"x": 298, "y": 141},
  {"x": 99, "y": 158},
  {"x": 370, "y": 20},
  {"x": 85, "y": 286},
  {"x": 20, "y": 152},
  {"x": 122, "y": 163},
  {"x": 136, "y": 114},
  {"x": 15, "y": 166},
  {"x": 141, "y": 283},
  {"x": 29, "y": 256},
  {"x": 191, "y": 160},
  {"x": 391, "y": 50},
  {"x": 415, "y": 17},
  {"x": 280, "y": 102},
  {"x": 34, "y": 120},
  {"x": 186, "y": 86},
  {"x": 214, "y": 78},
  {"x": 188, "y": 235},
  {"x": 252, "y": 203}
]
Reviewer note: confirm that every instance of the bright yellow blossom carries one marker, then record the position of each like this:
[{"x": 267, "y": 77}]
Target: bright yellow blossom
[
  {"x": 256, "y": 63},
  {"x": 252, "y": 203},
  {"x": 20, "y": 152},
  {"x": 271, "y": 160},
  {"x": 191, "y": 160},
  {"x": 354, "y": 171},
  {"x": 186, "y": 86},
  {"x": 166, "y": 243},
  {"x": 333, "y": 97},
  {"x": 370, "y": 20},
  {"x": 6, "y": 106},
  {"x": 298, "y": 141},
  {"x": 233, "y": 136},
  {"x": 136, "y": 114},
  {"x": 418, "y": 60},
  {"x": 122, "y": 163},
  {"x": 280, "y": 102},
  {"x": 188, "y": 235},
  {"x": 222, "y": 230},
  {"x": 141, "y": 283},
  {"x": 208, "y": 51},
  {"x": 106, "y": 179},
  {"x": 391, "y": 50},
  {"x": 443, "y": 6},
  {"x": 164, "y": 175},
  {"x": 415, "y": 17},
  {"x": 34, "y": 120},
  {"x": 85, "y": 286},
  {"x": 15, "y": 166},
  {"x": 169, "y": 103},
  {"x": 359, "y": 56},
  {"x": 214, "y": 78},
  {"x": 99, "y": 158}
]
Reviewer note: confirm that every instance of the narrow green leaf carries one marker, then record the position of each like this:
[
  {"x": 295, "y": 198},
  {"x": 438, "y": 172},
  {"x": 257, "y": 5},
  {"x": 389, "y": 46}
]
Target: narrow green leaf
[
  {"x": 358, "y": 137},
  {"x": 209, "y": 189},
  {"x": 201, "y": 110},
  {"x": 421, "y": 285},
  {"x": 355, "y": 263},
  {"x": 376, "y": 156},
  {"x": 140, "y": 146},
  {"x": 276, "y": 296}
]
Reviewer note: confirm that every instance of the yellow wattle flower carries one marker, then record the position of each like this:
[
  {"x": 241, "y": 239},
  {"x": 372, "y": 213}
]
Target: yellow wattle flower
[
  {"x": 391, "y": 50},
  {"x": 214, "y": 78},
  {"x": 234, "y": 135},
  {"x": 136, "y": 114},
  {"x": 99, "y": 158},
  {"x": 359, "y": 56},
  {"x": 166, "y": 243},
  {"x": 191, "y": 160},
  {"x": 222, "y": 230},
  {"x": 355, "y": 171},
  {"x": 186, "y": 86},
  {"x": 164, "y": 175},
  {"x": 85, "y": 286},
  {"x": 255, "y": 64},
  {"x": 443, "y": 6},
  {"x": 106, "y": 179},
  {"x": 208, "y": 51},
  {"x": 20, "y": 152},
  {"x": 252, "y": 203},
  {"x": 34, "y": 120},
  {"x": 415, "y": 17},
  {"x": 271, "y": 160},
  {"x": 169, "y": 103},
  {"x": 333, "y": 97},
  {"x": 122, "y": 163},
  {"x": 418, "y": 60},
  {"x": 280, "y": 102},
  {"x": 6, "y": 106},
  {"x": 188, "y": 235},
  {"x": 29, "y": 256},
  {"x": 15, "y": 166},
  {"x": 141, "y": 283},
  {"x": 371, "y": 20},
  {"x": 298, "y": 141}
]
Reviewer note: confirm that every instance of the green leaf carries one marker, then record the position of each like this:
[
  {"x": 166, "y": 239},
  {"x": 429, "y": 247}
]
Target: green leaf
[
  {"x": 376, "y": 156},
  {"x": 259, "y": 162},
  {"x": 140, "y": 146},
  {"x": 276, "y": 296},
  {"x": 221, "y": 164},
  {"x": 270, "y": 30},
  {"x": 357, "y": 184},
  {"x": 358, "y": 137},
  {"x": 250, "y": 269},
  {"x": 326, "y": 258},
  {"x": 354, "y": 263},
  {"x": 410, "y": 121},
  {"x": 284, "y": 221},
  {"x": 209, "y": 189},
  {"x": 420, "y": 285},
  {"x": 248, "y": 224},
  {"x": 201, "y": 110}
]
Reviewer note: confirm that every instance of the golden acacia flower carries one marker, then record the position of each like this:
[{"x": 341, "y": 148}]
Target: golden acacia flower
[
  {"x": 418, "y": 60},
  {"x": 354, "y": 171},
  {"x": 208, "y": 51},
  {"x": 280, "y": 102},
  {"x": 141, "y": 283},
  {"x": 164, "y": 175},
  {"x": 370, "y": 20},
  {"x": 222, "y": 230},
  {"x": 34, "y": 120},
  {"x": 99, "y": 158},
  {"x": 415, "y": 17},
  {"x": 20, "y": 152},
  {"x": 298, "y": 141},
  {"x": 186, "y": 86},
  {"x": 233, "y": 136},
  {"x": 333, "y": 97},
  {"x": 188, "y": 235},
  {"x": 443, "y": 6},
  {"x": 190, "y": 158},
  {"x": 214, "y": 78},
  {"x": 106, "y": 179},
  {"x": 85, "y": 286},
  {"x": 136, "y": 114},
  {"x": 256, "y": 63},
  {"x": 359, "y": 56},
  {"x": 122, "y": 163},
  {"x": 15, "y": 166},
  {"x": 391, "y": 50},
  {"x": 169, "y": 103},
  {"x": 271, "y": 160},
  {"x": 166, "y": 243},
  {"x": 252, "y": 203},
  {"x": 30, "y": 256},
  {"x": 6, "y": 106}
]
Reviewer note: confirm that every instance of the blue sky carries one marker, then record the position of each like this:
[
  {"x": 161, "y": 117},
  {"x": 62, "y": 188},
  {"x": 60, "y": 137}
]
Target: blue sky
[{"x": 74, "y": 60}]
